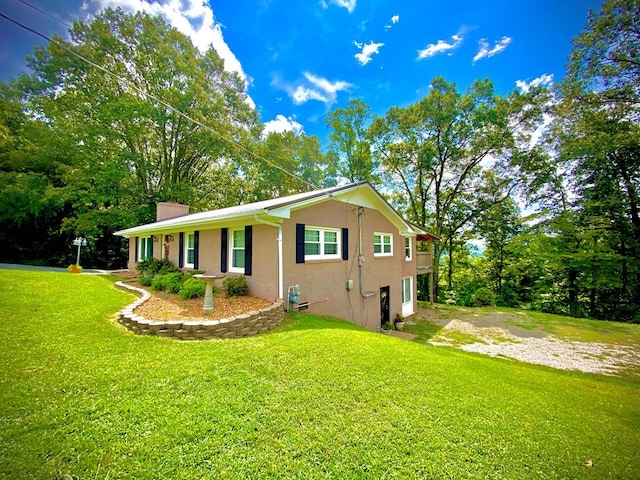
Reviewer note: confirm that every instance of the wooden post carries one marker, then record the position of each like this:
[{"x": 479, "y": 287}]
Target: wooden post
[{"x": 431, "y": 287}]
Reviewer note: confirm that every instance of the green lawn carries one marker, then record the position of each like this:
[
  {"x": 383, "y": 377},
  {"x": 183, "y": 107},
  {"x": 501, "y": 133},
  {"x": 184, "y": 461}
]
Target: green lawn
[{"x": 319, "y": 398}]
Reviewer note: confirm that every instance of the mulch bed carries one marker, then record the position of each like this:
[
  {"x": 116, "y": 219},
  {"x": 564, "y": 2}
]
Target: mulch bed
[{"x": 163, "y": 306}]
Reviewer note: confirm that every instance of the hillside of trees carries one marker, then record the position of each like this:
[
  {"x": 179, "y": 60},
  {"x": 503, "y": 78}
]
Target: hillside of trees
[{"x": 128, "y": 113}]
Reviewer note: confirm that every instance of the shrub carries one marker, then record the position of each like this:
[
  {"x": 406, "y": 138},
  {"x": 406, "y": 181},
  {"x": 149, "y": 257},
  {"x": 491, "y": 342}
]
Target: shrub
[
  {"x": 193, "y": 288},
  {"x": 165, "y": 266},
  {"x": 451, "y": 297},
  {"x": 155, "y": 266},
  {"x": 146, "y": 281},
  {"x": 483, "y": 297},
  {"x": 143, "y": 267},
  {"x": 170, "y": 282},
  {"x": 235, "y": 286}
]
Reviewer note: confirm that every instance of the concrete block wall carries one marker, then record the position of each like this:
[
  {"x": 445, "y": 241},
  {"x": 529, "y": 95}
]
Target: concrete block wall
[{"x": 251, "y": 323}]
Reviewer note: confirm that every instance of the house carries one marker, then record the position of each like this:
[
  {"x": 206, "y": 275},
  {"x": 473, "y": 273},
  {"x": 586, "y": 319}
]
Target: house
[{"x": 342, "y": 251}]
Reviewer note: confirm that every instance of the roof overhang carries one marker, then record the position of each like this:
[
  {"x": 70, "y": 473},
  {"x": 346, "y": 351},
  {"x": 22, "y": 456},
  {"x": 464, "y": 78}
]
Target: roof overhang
[{"x": 275, "y": 211}]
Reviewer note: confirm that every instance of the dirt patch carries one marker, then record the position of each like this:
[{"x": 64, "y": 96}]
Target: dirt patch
[
  {"x": 497, "y": 337},
  {"x": 164, "y": 306}
]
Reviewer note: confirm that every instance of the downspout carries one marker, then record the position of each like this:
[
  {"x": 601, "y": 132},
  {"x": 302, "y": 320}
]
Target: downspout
[
  {"x": 363, "y": 294},
  {"x": 280, "y": 259}
]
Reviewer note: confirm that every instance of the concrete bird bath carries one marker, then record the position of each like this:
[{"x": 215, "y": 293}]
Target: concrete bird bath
[{"x": 208, "y": 289}]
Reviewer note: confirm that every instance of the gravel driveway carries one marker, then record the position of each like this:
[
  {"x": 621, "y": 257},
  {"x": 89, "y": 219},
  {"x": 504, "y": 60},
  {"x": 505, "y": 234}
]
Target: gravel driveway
[{"x": 497, "y": 337}]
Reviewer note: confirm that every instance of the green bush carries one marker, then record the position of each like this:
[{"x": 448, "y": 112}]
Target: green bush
[
  {"x": 146, "y": 281},
  {"x": 483, "y": 297},
  {"x": 143, "y": 266},
  {"x": 169, "y": 282},
  {"x": 156, "y": 266},
  {"x": 163, "y": 267},
  {"x": 235, "y": 286},
  {"x": 193, "y": 288}
]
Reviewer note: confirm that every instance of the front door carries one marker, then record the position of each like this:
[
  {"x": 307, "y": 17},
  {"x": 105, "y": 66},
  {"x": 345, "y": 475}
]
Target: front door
[{"x": 384, "y": 306}]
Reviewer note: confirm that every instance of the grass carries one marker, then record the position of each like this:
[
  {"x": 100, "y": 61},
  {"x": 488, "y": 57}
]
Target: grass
[
  {"x": 319, "y": 398},
  {"x": 564, "y": 328}
]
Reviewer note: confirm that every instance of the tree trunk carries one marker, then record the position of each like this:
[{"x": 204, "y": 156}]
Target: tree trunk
[{"x": 574, "y": 306}]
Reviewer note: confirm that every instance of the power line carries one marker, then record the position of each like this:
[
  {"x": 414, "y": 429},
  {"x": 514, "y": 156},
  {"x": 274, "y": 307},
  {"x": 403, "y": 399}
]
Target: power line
[
  {"x": 151, "y": 96},
  {"x": 39, "y": 10}
]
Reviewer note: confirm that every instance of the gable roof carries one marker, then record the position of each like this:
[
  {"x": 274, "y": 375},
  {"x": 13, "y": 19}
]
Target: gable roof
[{"x": 275, "y": 210}]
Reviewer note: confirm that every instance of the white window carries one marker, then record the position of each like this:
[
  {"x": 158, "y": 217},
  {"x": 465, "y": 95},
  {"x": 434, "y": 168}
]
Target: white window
[
  {"x": 145, "y": 248},
  {"x": 190, "y": 250},
  {"x": 407, "y": 296},
  {"x": 321, "y": 243},
  {"x": 382, "y": 244},
  {"x": 236, "y": 251},
  {"x": 407, "y": 249}
]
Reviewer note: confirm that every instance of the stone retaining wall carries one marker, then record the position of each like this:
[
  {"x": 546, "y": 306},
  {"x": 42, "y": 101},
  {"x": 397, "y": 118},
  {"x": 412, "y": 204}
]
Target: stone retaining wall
[{"x": 252, "y": 323}]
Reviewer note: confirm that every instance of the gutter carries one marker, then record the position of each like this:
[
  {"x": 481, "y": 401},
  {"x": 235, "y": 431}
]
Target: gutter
[{"x": 280, "y": 257}]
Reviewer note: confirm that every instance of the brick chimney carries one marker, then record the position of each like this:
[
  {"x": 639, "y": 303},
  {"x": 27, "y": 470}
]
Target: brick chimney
[{"x": 166, "y": 210}]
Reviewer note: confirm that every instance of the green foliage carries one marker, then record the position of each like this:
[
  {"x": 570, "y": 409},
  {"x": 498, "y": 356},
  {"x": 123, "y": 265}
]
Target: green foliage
[
  {"x": 169, "y": 282},
  {"x": 57, "y": 188},
  {"x": 283, "y": 405},
  {"x": 508, "y": 297},
  {"x": 483, "y": 297},
  {"x": 350, "y": 142},
  {"x": 433, "y": 153},
  {"x": 296, "y": 153},
  {"x": 146, "y": 281},
  {"x": 451, "y": 297},
  {"x": 155, "y": 266},
  {"x": 235, "y": 286},
  {"x": 193, "y": 288}
]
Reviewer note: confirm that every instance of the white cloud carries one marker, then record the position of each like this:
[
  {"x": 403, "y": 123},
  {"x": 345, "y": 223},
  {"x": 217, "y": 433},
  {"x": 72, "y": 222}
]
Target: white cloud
[
  {"x": 183, "y": 15},
  {"x": 367, "y": 50},
  {"x": 545, "y": 79},
  {"x": 282, "y": 124},
  {"x": 350, "y": 5},
  {"x": 312, "y": 87},
  {"x": 486, "y": 52},
  {"x": 395, "y": 19},
  {"x": 304, "y": 94},
  {"x": 440, "y": 47},
  {"x": 326, "y": 85}
]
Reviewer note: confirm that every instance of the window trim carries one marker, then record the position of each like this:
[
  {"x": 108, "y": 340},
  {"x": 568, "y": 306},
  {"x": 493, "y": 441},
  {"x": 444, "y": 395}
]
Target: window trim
[
  {"x": 382, "y": 244},
  {"x": 232, "y": 248},
  {"x": 322, "y": 255},
  {"x": 186, "y": 249},
  {"x": 409, "y": 257}
]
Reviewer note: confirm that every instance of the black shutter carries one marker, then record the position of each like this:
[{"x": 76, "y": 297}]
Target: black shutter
[
  {"x": 181, "y": 250},
  {"x": 196, "y": 249},
  {"x": 224, "y": 241},
  {"x": 248, "y": 248},
  {"x": 299, "y": 242},
  {"x": 136, "y": 239},
  {"x": 345, "y": 244},
  {"x": 151, "y": 241}
]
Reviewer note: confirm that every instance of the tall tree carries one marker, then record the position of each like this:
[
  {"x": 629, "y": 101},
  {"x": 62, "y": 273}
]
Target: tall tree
[
  {"x": 498, "y": 226},
  {"x": 597, "y": 132},
  {"x": 290, "y": 163},
  {"x": 349, "y": 141},
  {"x": 140, "y": 116},
  {"x": 435, "y": 151},
  {"x": 138, "y": 110}
]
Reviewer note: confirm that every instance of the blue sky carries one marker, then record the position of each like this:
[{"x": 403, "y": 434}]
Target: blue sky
[{"x": 302, "y": 59}]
